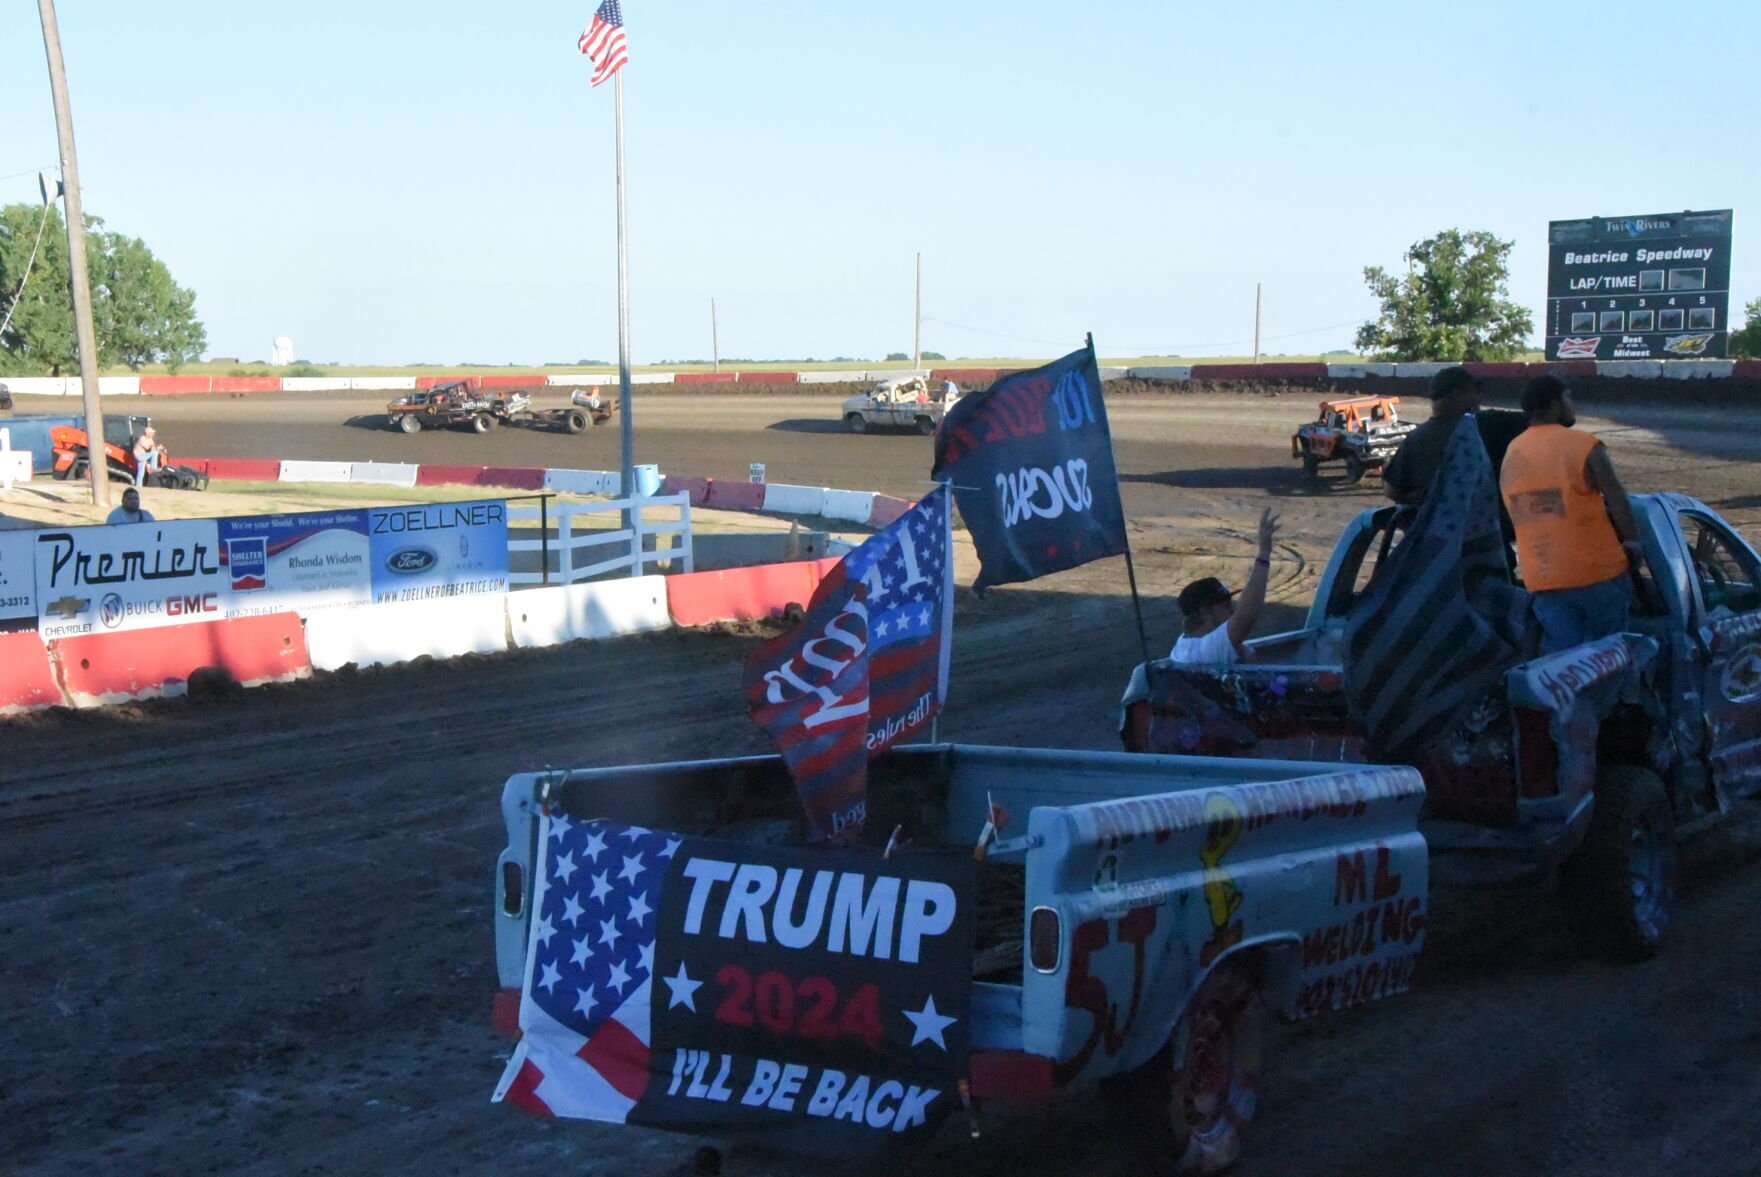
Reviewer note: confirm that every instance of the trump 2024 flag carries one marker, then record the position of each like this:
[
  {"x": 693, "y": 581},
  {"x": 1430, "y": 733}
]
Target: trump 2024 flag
[
  {"x": 1031, "y": 461},
  {"x": 866, "y": 667},
  {"x": 819, "y": 996}
]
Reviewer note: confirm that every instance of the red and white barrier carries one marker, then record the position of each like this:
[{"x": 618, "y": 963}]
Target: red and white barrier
[
  {"x": 739, "y": 594},
  {"x": 854, "y": 506},
  {"x": 99, "y": 669},
  {"x": 567, "y": 613},
  {"x": 383, "y": 473},
  {"x": 785, "y": 499},
  {"x": 301, "y": 471},
  {"x": 27, "y": 680}
]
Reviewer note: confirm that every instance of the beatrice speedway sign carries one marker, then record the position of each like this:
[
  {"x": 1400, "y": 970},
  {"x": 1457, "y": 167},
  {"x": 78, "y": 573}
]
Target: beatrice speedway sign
[{"x": 140, "y": 575}]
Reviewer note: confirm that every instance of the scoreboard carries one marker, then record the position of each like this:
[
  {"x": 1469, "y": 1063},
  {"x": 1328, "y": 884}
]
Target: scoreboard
[{"x": 1639, "y": 288}]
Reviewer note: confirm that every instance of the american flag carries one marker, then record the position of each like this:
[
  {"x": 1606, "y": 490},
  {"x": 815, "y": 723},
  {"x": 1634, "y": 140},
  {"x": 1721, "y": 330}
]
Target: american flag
[
  {"x": 1440, "y": 622},
  {"x": 910, "y": 618},
  {"x": 604, "y": 41},
  {"x": 584, "y": 1011}
]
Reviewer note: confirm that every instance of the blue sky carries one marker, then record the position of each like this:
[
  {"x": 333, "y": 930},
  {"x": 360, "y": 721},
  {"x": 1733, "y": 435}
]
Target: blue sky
[{"x": 392, "y": 182}]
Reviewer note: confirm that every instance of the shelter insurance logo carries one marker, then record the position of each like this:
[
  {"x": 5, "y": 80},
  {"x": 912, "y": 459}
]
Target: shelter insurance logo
[
  {"x": 1579, "y": 349},
  {"x": 411, "y": 561},
  {"x": 247, "y": 560}
]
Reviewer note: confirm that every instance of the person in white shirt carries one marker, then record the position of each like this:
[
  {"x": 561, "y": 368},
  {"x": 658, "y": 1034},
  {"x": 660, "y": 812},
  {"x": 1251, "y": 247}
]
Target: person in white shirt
[
  {"x": 130, "y": 511},
  {"x": 1218, "y": 622}
]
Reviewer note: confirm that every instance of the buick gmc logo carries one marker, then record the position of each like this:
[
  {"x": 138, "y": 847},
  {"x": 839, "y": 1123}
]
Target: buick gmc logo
[
  {"x": 110, "y": 610},
  {"x": 410, "y": 561}
]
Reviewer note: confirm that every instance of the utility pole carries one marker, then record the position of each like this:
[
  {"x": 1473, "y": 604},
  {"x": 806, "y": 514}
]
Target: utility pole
[
  {"x": 79, "y": 279},
  {"x": 917, "y": 322},
  {"x": 1256, "y": 322},
  {"x": 715, "y": 347}
]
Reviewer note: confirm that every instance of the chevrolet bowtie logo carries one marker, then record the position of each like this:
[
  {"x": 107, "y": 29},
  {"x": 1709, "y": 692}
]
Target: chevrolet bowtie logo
[{"x": 68, "y": 607}]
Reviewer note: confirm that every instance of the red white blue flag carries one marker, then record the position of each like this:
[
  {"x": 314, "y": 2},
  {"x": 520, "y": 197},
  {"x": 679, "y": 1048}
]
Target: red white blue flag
[
  {"x": 819, "y": 996},
  {"x": 866, "y": 668},
  {"x": 604, "y": 41}
]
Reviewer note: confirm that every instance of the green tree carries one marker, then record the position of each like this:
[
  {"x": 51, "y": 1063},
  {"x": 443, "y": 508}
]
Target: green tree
[
  {"x": 1453, "y": 303},
  {"x": 139, "y": 313},
  {"x": 1746, "y": 343}
]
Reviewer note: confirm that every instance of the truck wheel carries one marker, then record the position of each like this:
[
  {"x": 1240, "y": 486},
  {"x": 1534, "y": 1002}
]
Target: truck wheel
[
  {"x": 1194, "y": 1116},
  {"x": 926, "y": 425},
  {"x": 1354, "y": 467},
  {"x": 1619, "y": 887},
  {"x": 1311, "y": 465},
  {"x": 482, "y": 423},
  {"x": 575, "y": 421},
  {"x": 410, "y": 423},
  {"x": 855, "y": 423}
]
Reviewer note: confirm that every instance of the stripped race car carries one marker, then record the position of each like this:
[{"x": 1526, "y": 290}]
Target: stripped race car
[
  {"x": 1361, "y": 431},
  {"x": 910, "y": 402},
  {"x": 456, "y": 404}
]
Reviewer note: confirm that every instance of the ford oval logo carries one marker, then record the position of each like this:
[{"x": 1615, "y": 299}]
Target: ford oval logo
[{"x": 410, "y": 561}]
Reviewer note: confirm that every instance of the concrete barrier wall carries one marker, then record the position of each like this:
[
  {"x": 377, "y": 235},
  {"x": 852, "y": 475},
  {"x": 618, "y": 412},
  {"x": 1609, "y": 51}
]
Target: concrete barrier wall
[
  {"x": 376, "y": 383},
  {"x": 113, "y": 385},
  {"x": 831, "y": 377},
  {"x": 853, "y": 505},
  {"x": 100, "y": 669},
  {"x": 768, "y": 377},
  {"x": 887, "y": 509},
  {"x": 785, "y": 499},
  {"x": 316, "y": 383},
  {"x": 383, "y": 635},
  {"x": 613, "y": 608},
  {"x": 740, "y": 594},
  {"x": 730, "y": 494},
  {"x": 27, "y": 680},
  {"x": 650, "y": 378},
  {"x": 383, "y": 473},
  {"x": 582, "y": 482},
  {"x": 717, "y": 553},
  {"x": 36, "y": 385},
  {"x": 296, "y": 471},
  {"x": 1165, "y": 372}
]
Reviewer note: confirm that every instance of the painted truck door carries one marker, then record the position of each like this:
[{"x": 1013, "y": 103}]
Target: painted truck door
[{"x": 1727, "y": 582}]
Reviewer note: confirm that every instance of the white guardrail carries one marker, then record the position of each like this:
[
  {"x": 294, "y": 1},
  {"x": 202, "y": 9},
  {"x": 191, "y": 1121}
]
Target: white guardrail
[{"x": 558, "y": 535}]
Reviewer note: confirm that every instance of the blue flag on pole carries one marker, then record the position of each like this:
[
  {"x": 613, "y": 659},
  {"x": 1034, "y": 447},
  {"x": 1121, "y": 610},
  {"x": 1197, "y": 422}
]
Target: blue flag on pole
[{"x": 1031, "y": 461}]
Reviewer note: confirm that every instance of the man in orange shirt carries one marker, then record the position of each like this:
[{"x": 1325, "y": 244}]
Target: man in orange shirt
[{"x": 1576, "y": 537}]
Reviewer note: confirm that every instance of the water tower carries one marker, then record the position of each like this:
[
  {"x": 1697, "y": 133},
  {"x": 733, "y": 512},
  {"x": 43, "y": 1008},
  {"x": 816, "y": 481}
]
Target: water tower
[{"x": 281, "y": 351}]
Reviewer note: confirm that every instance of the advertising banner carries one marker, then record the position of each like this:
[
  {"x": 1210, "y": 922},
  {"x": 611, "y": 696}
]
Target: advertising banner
[
  {"x": 1639, "y": 288},
  {"x": 18, "y": 585},
  {"x": 820, "y": 997},
  {"x": 298, "y": 562},
  {"x": 128, "y": 576},
  {"x": 434, "y": 550}
]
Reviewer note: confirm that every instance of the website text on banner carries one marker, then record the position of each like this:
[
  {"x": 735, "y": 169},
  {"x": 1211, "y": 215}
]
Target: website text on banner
[
  {"x": 866, "y": 667},
  {"x": 1031, "y": 463},
  {"x": 139, "y": 575},
  {"x": 674, "y": 993},
  {"x": 18, "y": 585}
]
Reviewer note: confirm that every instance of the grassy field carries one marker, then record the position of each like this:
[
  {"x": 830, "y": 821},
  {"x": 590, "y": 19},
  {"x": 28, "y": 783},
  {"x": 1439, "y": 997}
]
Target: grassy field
[{"x": 233, "y": 368}]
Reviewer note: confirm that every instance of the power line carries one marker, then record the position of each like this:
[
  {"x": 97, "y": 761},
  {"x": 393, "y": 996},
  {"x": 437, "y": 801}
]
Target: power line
[
  {"x": 32, "y": 171},
  {"x": 7, "y": 322}
]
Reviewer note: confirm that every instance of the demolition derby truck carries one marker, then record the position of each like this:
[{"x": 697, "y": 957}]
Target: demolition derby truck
[
  {"x": 1581, "y": 765},
  {"x": 909, "y": 402},
  {"x": 672, "y": 955},
  {"x": 459, "y": 404}
]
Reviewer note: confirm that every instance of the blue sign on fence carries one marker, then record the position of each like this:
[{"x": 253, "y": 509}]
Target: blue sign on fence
[
  {"x": 438, "y": 550},
  {"x": 302, "y": 562}
]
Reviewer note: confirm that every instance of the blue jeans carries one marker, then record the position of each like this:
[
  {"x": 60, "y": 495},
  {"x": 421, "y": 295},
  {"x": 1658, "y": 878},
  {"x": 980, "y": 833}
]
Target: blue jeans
[{"x": 1571, "y": 617}]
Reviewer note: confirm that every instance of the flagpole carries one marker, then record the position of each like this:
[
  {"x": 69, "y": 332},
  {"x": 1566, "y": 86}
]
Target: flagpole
[
  {"x": 626, "y": 425},
  {"x": 1143, "y": 636},
  {"x": 947, "y": 652}
]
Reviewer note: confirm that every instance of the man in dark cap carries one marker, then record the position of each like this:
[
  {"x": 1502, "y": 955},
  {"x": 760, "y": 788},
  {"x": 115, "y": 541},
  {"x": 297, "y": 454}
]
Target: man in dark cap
[
  {"x": 1217, "y": 622},
  {"x": 1454, "y": 392}
]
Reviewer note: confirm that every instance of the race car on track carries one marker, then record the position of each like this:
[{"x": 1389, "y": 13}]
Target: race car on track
[
  {"x": 1361, "y": 431},
  {"x": 463, "y": 404},
  {"x": 909, "y": 401}
]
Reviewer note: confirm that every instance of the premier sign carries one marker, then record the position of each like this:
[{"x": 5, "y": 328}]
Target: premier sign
[{"x": 1639, "y": 288}]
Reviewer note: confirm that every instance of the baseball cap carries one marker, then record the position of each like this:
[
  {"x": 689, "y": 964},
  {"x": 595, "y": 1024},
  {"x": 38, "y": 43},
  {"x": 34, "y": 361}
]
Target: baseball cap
[
  {"x": 1452, "y": 380},
  {"x": 1203, "y": 593}
]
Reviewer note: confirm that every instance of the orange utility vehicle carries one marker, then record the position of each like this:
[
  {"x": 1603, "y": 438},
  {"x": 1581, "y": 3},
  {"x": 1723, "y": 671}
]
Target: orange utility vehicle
[{"x": 1361, "y": 431}]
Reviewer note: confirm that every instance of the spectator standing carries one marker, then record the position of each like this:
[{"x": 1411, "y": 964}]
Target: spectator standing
[
  {"x": 1576, "y": 537},
  {"x": 149, "y": 454},
  {"x": 1217, "y": 624},
  {"x": 1455, "y": 392}
]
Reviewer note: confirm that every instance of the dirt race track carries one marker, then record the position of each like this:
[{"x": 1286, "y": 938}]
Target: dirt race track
[{"x": 253, "y": 935}]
